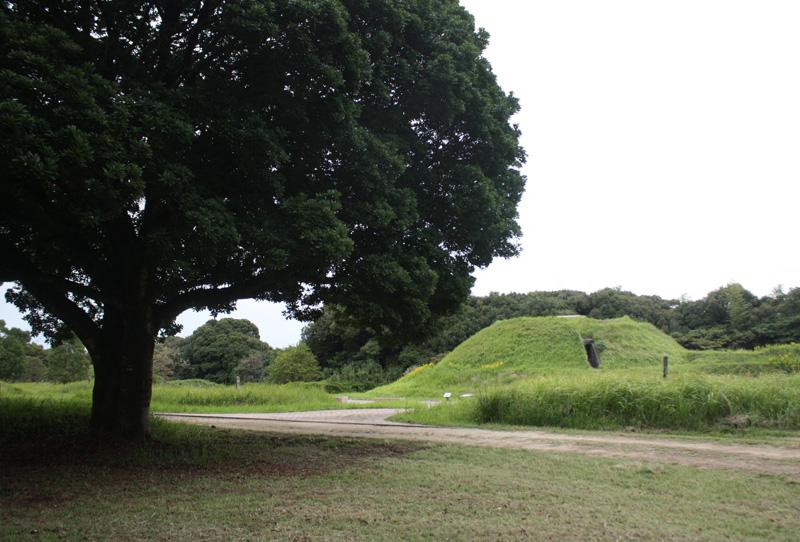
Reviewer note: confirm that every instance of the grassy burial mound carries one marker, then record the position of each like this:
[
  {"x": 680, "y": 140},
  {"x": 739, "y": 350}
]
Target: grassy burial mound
[
  {"x": 624, "y": 342},
  {"x": 511, "y": 350}
]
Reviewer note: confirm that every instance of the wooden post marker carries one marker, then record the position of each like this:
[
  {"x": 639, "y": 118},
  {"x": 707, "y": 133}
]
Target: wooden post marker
[
  {"x": 666, "y": 365},
  {"x": 238, "y": 382}
]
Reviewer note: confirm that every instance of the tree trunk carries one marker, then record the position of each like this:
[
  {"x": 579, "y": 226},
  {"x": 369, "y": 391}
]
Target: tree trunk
[{"x": 123, "y": 367}]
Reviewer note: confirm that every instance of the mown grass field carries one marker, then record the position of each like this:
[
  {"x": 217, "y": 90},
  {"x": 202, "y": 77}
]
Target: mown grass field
[{"x": 190, "y": 482}]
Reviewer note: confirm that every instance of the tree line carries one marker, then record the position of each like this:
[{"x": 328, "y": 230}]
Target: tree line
[
  {"x": 221, "y": 351},
  {"x": 23, "y": 360}
]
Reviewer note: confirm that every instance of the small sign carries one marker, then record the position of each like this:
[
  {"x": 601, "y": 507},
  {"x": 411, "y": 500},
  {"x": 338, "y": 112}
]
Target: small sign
[{"x": 447, "y": 395}]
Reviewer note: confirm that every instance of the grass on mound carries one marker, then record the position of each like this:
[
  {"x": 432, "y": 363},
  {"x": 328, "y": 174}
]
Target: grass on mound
[
  {"x": 606, "y": 401},
  {"x": 513, "y": 350},
  {"x": 627, "y": 342},
  {"x": 501, "y": 353}
]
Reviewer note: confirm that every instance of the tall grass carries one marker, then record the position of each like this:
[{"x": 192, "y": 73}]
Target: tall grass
[
  {"x": 199, "y": 396},
  {"x": 36, "y": 416},
  {"x": 191, "y": 396},
  {"x": 774, "y": 358},
  {"x": 257, "y": 397},
  {"x": 690, "y": 403}
]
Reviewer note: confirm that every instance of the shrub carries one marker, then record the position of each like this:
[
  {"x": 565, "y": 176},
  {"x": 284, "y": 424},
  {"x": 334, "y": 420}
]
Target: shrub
[
  {"x": 294, "y": 364},
  {"x": 785, "y": 357}
]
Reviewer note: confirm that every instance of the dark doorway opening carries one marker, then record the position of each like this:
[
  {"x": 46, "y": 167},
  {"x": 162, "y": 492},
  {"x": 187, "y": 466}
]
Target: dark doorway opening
[{"x": 591, "y": 353}]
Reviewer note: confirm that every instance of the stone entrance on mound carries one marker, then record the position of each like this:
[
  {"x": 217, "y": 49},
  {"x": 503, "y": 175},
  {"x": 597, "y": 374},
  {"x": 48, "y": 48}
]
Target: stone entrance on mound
[{"x": 591, "y": 353}]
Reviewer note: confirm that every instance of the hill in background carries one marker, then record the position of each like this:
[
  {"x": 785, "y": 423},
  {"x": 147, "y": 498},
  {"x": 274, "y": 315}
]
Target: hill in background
[{"x": 511, "y": 350}]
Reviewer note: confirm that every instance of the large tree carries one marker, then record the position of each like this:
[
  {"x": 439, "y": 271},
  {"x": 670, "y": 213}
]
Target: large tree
[
  {"x": 215, "y": 349},
  {"x": 160, "y": 156}
]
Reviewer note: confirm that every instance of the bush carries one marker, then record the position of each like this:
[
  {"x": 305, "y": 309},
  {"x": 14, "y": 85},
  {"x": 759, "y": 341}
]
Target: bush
[
  {"x": 785, "y": 357},
  {"x": 294, "y": 364}
]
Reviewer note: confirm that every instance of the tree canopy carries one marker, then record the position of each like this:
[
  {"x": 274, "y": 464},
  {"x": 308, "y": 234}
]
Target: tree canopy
[
  {"x": 294, "y": 364},
  {"x": 161, "y": 156},
  {"x": 68, "y": 362},
  {"x": 20, "y": 359},
  {"x": 215, "y": 350}
]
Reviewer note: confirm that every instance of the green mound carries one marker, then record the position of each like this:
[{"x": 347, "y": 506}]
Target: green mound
[
  {"x": 513, "y": 350},
  {"x": 624, "y": 342}
]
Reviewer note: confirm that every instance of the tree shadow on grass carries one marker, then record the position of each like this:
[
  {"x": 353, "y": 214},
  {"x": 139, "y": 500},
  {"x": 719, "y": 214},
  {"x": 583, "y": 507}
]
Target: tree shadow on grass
[{"x": 47, "y": 455}]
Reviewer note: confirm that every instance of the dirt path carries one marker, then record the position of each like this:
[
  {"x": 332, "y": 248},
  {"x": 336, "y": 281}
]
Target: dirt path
[{"x": 372, "y": 423}]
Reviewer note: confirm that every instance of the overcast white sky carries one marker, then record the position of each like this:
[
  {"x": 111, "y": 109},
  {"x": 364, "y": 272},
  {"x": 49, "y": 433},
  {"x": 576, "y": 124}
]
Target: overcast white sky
[{"x": 663, "y": 144}]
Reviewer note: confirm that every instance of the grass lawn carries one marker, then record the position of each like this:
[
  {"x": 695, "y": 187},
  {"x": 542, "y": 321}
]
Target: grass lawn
[
  {"x": 194, "y": 396},
  {"x": 191, "y": 482}
]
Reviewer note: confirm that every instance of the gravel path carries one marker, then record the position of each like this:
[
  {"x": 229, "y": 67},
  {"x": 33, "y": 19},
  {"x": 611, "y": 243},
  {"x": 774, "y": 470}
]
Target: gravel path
[{"x": 372, "y": 423}]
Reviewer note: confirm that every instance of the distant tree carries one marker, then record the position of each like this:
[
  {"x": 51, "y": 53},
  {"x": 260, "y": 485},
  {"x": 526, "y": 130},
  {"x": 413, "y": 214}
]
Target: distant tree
[
  {"x": 294, "y": 364},
  {"x": 12, "y": 354},
  {"x": 166, "y": 357},
  {"x": 725, "y": 318},
  {"x": 333, "y": 340},
  {"x": 614, "y": 303},
  {"x": 216, "y": 348},
  {"x": 741, "y": 305},
  {"x": 777, "y": 317},
  {"x": 251, "y": 367},
  {"x": 68, "y": 362},
  {"x": 35, "y": 364},
  {"x": 162, "y": 156}
]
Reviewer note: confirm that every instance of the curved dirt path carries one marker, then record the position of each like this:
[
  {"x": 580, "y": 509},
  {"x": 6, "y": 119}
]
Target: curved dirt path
[{"x": 372, "y": 423}]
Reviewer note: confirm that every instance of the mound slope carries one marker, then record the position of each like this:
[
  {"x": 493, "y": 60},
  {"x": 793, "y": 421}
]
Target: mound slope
[{"x": 511, "y": 350}]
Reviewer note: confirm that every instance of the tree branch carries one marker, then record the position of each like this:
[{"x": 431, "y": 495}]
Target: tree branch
[
  {"x": 203, "y": 15},
  {"x": 57, "y": 303},
  {"x": 208, "y": 297},
  {"x": 15, "y": 267},
  {"x": 51, "y": 292}
]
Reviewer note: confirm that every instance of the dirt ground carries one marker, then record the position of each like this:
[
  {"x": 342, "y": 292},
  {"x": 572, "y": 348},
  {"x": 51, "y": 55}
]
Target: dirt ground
[{"x": 373, "y": 423}]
